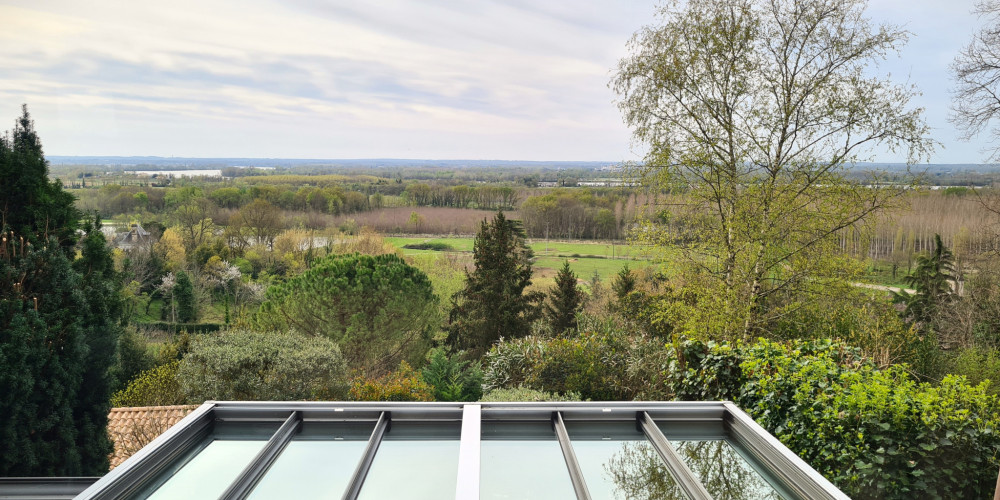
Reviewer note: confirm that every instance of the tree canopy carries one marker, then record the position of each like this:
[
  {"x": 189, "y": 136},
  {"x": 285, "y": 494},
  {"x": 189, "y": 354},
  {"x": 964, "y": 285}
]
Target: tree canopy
[
  {"x": 378, "y": 309},
  {"x": 59, "y": 318},
  {"x": 753, "y": 110}
]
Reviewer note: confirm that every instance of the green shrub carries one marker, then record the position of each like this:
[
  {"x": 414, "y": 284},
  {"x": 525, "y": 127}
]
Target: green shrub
[
  {"x": 978, "y": 365},
  {"x": 597, "y": 366},
  {"x": 875, "y": 433},
  {"x": 403, "y": 384},
  {"x": 453, "y": 380},
  {"x": 155, "y": 387},
  {"x": 251, "y": 365},
  {"x": 438, "y": 246},
  {"x": 522, "y": 393}
]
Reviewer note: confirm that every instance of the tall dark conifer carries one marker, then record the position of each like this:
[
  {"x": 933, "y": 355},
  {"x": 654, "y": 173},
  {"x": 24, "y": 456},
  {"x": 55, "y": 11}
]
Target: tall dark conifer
[
  {"x": 493, "y": 304},
  {"x": 59, "y": 322},
  {"x": 564, "y": 301}
]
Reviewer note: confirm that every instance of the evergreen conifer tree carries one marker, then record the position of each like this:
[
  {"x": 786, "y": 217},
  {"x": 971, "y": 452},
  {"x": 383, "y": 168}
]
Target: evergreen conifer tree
[
  {"x": 494, "y": 304},
  {"x": 59, "y": 322},
  {"x": 564, "y": 301},
  {"x": 187, "y": 309}
]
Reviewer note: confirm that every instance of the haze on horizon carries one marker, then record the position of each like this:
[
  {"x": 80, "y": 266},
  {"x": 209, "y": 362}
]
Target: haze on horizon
[{"x": 497, "y": 80}]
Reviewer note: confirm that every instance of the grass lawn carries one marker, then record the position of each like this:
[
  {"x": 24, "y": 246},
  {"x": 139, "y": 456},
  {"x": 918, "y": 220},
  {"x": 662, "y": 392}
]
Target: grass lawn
[{"x": 585, "y": 258}]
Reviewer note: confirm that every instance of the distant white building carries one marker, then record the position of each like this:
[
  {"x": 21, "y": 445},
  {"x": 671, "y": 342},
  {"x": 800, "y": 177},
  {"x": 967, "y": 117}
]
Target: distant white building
[{"x": 135, "y": 237}]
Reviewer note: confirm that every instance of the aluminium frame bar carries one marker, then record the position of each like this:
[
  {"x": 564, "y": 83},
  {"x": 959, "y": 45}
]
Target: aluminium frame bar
[
  {"x": 790, "y": 470},
  {"x": 241, "y": 487},
  {"x": 358, "y": 480},
  {"x": 469, "y": 449},
  {"x": 686, "y": 480},
  {"x": 575, "y": 473}
]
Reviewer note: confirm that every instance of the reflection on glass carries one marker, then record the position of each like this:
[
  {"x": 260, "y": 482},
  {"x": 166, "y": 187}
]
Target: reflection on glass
[
  {"x": 618, "y": 463},
  {"x": 415, "y": 461},
  {"x": 725, "y": 474},
  {"x": 318, "y": 463},
  {"x": 209, "y": 473},
  {"x": 522, "y": 461}
]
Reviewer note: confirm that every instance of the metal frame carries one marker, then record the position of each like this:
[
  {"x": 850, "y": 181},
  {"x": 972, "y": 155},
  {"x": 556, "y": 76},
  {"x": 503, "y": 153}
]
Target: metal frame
[
  {"x": 711, "y": 419},
  {"x": 575, "y": 474}
]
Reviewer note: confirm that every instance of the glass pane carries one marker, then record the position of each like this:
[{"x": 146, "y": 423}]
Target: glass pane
[
  {"x": 206, "y": 470},
  {"x": 724, "y": 472},
  {"x": 209, "y": 473},
  {"x": 522, "y": 461},
  {"x": 318, "y": 462},
  {"x": 415, "y": 461},
  {"x": 618, "y": 462}
]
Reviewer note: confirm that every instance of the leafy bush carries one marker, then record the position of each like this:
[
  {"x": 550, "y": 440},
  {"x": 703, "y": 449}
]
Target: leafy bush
[
  {"x": 251, "y": 365},
  {"x": 522, "y": 393},
  {"x": 403, "y": 384},
  {"x": 875, "y": 433},
  {"x": 155, "y": 387},
  {"x": 978, "y": 365},
  {"x": 598, "y": 366},
  {"x": 453, "y": 380}
]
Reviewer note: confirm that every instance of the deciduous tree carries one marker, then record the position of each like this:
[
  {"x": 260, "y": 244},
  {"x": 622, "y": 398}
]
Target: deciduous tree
[{"x": 754, "y": 110}]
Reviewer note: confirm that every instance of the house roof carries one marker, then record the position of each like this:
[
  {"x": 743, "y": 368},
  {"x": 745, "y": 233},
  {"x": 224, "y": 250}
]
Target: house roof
[{"x": 132, "y": 428}]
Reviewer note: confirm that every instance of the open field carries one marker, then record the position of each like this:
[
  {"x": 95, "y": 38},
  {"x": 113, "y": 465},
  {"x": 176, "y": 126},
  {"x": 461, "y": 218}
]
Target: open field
[{"x": 585, "y": 258}]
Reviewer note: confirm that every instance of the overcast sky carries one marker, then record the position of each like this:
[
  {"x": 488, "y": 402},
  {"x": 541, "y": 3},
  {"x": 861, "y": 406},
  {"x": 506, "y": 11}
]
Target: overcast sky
[{"x": 434, "y": 79}]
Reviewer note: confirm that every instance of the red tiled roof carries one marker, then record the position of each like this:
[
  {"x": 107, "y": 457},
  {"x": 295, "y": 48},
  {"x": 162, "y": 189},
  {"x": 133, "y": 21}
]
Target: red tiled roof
[{"x": 132, "y": 428}]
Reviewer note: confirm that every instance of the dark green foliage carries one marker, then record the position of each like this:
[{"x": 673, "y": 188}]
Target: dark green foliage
[
  {"x": 434, "y": 245},
  {"x": 42, "y": 349},
  {"x": 493, "y": 304},
  {"x": 157, "y": 386},
  {"x": 564, "y": 302},
  {"x": 453, "y": 380},
  {"x": 31, "y": 205},
  {"x": 101, "y": 323},
  {"x": 133, "y": 358},
  {"x": 623, "y": 283},
  {"x": 183, "y": 327},
  {"x": 378, "y": 309},
  {"x": 932, "y": 282},
  {"x": 59, "y": 322},
  {"x": 250, "y": 365},
  {"x": 187, "y": 309}
]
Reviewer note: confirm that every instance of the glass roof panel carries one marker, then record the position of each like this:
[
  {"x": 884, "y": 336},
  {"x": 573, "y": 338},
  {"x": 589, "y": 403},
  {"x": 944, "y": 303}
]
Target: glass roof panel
[
  {"x": 317, "y": 463},
  {"x": 415, "y": 461},
  {"x": 618, "y": 462},
  {"x": 724, "y": 472},
  {"x": 522, "y": 461},
  {"x": 208, "y": 474}
]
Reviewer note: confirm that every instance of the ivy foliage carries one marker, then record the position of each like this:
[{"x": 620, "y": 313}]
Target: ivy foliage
[{"x": 378, "y": 309}]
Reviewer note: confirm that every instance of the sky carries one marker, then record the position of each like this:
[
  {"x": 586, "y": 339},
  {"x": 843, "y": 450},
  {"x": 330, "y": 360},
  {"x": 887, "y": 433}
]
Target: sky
[{"x": 420, "y": 79}]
